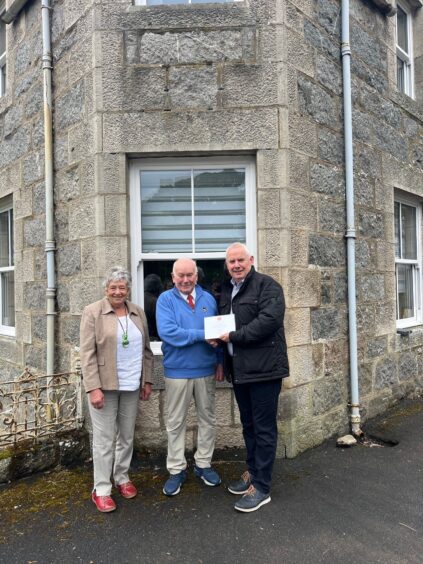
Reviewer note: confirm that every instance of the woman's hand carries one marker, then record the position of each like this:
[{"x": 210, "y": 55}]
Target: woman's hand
[
  {"x": 97, "y": 398},
  {"x": 145, "y": 392}
]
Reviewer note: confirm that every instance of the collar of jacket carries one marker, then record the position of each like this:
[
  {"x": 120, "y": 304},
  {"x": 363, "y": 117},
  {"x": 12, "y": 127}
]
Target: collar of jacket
[{"x": 107, "y": 308}]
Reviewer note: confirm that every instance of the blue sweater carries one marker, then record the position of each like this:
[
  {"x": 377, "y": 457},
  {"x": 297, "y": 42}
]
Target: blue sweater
[{"x": 185, "y": 352}]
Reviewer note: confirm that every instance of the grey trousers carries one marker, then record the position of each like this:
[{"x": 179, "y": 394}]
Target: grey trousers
[
  {"x": 179, "y": 392},
  {"x": 113, "y": 438}
]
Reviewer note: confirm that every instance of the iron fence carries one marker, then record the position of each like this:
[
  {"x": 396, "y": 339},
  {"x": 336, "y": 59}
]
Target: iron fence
[{"x": 36, "y": 405}]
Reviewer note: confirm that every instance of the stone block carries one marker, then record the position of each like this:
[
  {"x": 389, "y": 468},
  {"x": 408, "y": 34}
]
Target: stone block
[
  {"x": 187, "y": 47},
  {"x": 330, "y": 146},
  {"x": 193, "y": 87},
  {"x": 340, "y": 290},
  {"x": 328, "y": 180},
  {"x": 115, "y": 215},
  {"x": 371, "y": 224},
  {"x": 376, "y": 347},
  {"x": 15, "y": 145},
  {"x": 12, "y": 119},
  {"x": 136, "y": 89},
  {"x": 33, "y": 168},
  {"x": 314, "y": 101},
  {"x": 252, "y": 85},
  {"x": 302, "y": 135},
  {"x": 365, "y": 378},
  {"x": 69, "y": 259},
  {"x": 148, "y": 414},
  {"x": 34, "y": 232},
  {"x": 299, "y": 170},
  {"x": 303, "y": 366},
  {"x": 329, "y": 75},
  {"x": 269, "y": 208},
  {"x": 111, "y": 251},
  {"x": 297, "y": 326},
  {"x": 299, "y": 54},
  {"x": 299, "y": 245},
  {"x": 83, "y": 219},
  {"x": 67, "y": 185},
  {"x": 273, "y": 243},
  {"x": 371, "y": 287},
  {"x": 110, "y": 173},
  {"x": 39, "y": 324},
  {"x": 329, "y": 393},
  {"x": 204, "y": 130},
  {"x": 327, "y": 324},
  {"x": 386, "y": 373},
  {"x": 327, "y": 251},
  {"x": 60, "y": 150},
  {"x": 88, "y": 257},
  {"x": 34, "y": 101},
  {"x": 303, "y": 288},
  {"x": 81, "y": 293},
  {"x": 367, "y": 162},
  {"x": 62, "y": 296},
  {"x": 70, "y": 329},
  {"x": 223, "y": 409},
  {"x": 332, "y": 217},
  {"x": 229, "y": 437},
  {"x": 69, "y": 108},
  {"x": 364, "y": 190},
  {"x": 407, "y": 366},
  {"x": 272, "y": 169},
  {"x": 321, "y": 41},
  {"x": 303, "y": 210},
  {"x": 369, "y": 49}
]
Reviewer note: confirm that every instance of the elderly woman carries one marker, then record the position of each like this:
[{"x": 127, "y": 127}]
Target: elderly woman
[{"x": 117, "y": 365}]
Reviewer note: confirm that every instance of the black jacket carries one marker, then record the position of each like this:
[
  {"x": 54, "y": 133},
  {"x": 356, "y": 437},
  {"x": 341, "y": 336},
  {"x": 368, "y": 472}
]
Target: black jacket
[{"x": 259, "y": 340}]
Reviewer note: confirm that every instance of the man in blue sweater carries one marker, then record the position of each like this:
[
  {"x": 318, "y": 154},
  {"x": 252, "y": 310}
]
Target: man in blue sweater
[{"x": 191, "y": 368}]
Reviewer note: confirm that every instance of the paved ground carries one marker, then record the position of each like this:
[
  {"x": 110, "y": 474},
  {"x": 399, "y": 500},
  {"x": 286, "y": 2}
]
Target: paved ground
[{"x": 360, "y": 505}]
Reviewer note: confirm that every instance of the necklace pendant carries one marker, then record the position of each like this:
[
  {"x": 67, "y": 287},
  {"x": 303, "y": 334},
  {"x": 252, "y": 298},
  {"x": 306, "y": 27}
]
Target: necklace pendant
[{"x": 125, "y": 340}]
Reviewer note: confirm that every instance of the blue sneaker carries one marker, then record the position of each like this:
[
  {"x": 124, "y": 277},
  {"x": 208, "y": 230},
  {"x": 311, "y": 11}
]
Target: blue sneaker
[
  {"x": 209, "y": 476},
  {"x": 252, "y": 500},
  {"x": 240, "y": 487},
  {"x": 174, "y": 483}
]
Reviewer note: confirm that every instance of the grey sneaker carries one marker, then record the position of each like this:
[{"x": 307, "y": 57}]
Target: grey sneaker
[
  {"x": 252, "y": 500},
  {"x": 240, "y": 487}
]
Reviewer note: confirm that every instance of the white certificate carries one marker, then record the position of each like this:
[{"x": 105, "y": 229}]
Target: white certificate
[{"x": 218, "y": 325}]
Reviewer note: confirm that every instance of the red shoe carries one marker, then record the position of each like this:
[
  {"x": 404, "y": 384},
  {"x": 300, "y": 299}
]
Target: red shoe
[
  {"x": 104, "y": 503},
  {"x": 128, "y": 490}
]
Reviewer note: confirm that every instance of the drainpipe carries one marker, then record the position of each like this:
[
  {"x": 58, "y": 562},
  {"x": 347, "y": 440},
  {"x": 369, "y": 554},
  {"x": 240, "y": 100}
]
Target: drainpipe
[
  {"x": 350, "y": 232},
  {"x": 48, "y": 148}
]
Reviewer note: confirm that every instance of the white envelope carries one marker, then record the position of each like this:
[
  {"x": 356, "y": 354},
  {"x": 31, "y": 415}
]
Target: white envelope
[{"x": 218, "y": 325}]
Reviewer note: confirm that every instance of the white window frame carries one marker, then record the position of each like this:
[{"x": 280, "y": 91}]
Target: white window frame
[
  {"x": 417, "y": 318},
  {"x": 145, "y": 2},
  {"x": 6, "y": 204},
  {"x": 3, "y": 56},
  {"x": 178, "y": 163},
  {"x": 406, "y": 58}
]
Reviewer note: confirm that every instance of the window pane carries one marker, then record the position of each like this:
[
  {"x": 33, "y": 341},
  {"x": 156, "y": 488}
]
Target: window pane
[
  {"x": 405, "y": 290},
  {"x": 166, "y": 211},
  {"x": 219, "y": 204},
  {"x": 4, "y": 239},
  {"x": 402, "y": 31},
  {"x": 158, "y": 278},
  {"x": 2, "y": 37},
  {"x": 400, "y": 75},
  {"x": 397, "y": 230},
  {"x": 409, "y": 234},
  {"x": 8, "y": 298}
]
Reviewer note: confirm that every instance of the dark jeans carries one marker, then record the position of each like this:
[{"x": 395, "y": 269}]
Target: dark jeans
[{"x": 258, "y": 407}]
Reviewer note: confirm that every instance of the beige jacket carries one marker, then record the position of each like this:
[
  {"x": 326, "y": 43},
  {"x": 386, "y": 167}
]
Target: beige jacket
[{"x": 98, "y": 345}]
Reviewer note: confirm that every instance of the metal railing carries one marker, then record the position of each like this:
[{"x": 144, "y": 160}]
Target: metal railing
[{"x": 36, "y": 405}]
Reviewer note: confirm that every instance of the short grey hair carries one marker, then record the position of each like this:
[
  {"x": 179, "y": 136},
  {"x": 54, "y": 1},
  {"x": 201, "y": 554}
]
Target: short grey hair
[
  {"x": 115, "y": 274},
  {"x": 236, "y": 245},
  {"x": 184, "y": 258}
]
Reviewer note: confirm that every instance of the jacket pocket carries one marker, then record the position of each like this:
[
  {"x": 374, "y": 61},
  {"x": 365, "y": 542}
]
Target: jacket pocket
[{"x": 100, "y": 361}]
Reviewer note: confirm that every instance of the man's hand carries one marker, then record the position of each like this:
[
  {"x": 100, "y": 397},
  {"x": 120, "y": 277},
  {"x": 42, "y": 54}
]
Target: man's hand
[
  {"x": 225, "y": 338},
  {"x": 145, "y": 392},
  {"x": 97, "y": 398},
  {"x": 213, "y": 342},
  {"x": 219, "y": 376}
]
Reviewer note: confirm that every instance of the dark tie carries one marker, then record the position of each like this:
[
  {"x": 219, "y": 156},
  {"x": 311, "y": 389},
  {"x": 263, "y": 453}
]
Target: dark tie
[{"x": 190, "y": 300}]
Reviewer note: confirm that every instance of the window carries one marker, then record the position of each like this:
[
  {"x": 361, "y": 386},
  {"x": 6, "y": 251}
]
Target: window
[
  {"x": 408, "y": 261},
  {"x": 162, "y": 2},
  {"x": 7, "y": 274},
  {"x": 187, "y": 208},
  {"x": 404, "y": 50},
  {"x": 2, "y": 53}
]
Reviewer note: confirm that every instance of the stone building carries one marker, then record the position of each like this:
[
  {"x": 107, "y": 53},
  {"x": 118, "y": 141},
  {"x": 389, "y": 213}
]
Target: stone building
[{"x": 181, "y": 126}]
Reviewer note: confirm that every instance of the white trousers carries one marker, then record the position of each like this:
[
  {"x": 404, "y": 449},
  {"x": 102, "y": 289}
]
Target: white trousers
[
  {"x": 113, "y": 438},
  {"x": 179, "y": 392}
]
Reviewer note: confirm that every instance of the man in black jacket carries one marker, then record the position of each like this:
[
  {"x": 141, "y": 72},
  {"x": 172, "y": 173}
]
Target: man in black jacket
[{"x": 255, "y": 362}]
